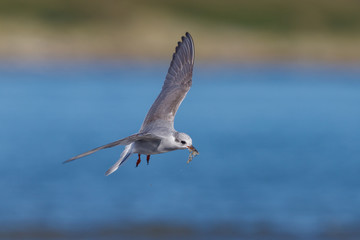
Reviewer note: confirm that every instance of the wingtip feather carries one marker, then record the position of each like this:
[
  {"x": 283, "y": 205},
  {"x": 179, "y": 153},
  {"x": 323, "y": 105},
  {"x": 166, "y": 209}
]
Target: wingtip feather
[
  {"x": 111, "y": 170},
  {"x": 69, "y": 160}
]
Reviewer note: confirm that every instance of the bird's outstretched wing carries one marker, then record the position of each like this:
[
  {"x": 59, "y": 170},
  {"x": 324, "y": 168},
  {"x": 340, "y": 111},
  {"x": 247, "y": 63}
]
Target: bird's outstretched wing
[
  {"x": 177, "y": 84},
  {"x": 124, "y": 141}
]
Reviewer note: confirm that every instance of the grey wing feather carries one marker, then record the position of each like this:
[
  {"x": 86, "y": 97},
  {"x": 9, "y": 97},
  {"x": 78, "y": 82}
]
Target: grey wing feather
[
  {"x": 124, "y": 156},
  {"x": 177, "y": 83},
  {"x": 124, "y": 141}
]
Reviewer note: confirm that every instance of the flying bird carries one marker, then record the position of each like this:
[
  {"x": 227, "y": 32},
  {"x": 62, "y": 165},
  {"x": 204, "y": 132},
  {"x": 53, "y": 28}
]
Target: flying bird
[{"x": 157, "y": 133}]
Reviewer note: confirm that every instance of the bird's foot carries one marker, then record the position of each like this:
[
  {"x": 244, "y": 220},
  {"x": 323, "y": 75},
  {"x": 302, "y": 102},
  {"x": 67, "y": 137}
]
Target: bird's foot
[
  {"x": 147, "y": 159},
  {"x": 138, "y": 161}
]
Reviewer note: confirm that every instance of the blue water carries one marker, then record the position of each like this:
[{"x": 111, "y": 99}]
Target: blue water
[{"x": 279, "y": 152}]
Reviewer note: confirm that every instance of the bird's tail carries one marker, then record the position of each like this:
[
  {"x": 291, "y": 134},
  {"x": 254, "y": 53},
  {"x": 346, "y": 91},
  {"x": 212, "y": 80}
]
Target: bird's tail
[{"x": 124, "y": 155}]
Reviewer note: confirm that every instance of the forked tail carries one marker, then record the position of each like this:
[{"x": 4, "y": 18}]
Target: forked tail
[{"x": 124, "y": 155}]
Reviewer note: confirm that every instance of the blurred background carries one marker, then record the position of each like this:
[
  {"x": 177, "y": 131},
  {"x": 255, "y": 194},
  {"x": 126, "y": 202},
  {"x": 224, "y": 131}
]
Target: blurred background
[
  {"x": 274, "y": 112},
  {"x": 229, "y": 30}
]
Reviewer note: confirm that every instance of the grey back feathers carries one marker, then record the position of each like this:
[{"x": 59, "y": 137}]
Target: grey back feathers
[
  {"x": 177, "y": 83},
  {"x": 124, "y": 141}
]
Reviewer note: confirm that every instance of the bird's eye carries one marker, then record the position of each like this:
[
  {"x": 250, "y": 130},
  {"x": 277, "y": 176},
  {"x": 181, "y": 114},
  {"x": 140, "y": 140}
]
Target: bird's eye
[{"x": 183, "y": 142}]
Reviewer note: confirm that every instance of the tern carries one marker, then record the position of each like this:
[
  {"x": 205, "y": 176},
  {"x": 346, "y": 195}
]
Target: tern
[{"x": 157, "y": 133}]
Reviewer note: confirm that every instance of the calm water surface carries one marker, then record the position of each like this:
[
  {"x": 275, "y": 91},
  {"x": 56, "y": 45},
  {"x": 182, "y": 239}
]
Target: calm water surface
[{"x": 279, "y": 153}]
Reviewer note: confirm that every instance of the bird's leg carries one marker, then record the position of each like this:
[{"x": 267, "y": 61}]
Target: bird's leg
[
  {"x": 148, "y": 159},
  {"x": 138, "y": 161}
]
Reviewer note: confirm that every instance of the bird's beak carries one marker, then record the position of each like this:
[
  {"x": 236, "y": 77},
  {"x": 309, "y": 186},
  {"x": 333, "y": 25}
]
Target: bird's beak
[{"x": 192, "y": 148}]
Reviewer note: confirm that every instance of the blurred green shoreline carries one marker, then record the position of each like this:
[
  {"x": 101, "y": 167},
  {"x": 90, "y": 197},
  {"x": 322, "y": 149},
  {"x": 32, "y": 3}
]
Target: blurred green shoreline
[{"x": 250, "y": 31}]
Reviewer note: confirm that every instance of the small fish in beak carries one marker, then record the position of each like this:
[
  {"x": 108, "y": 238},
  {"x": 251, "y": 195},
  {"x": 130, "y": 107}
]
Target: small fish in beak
[{"x": 193, "y": 153}]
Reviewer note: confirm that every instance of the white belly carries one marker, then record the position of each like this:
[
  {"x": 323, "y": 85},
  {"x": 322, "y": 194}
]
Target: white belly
[{"x": 147, "y": 147}]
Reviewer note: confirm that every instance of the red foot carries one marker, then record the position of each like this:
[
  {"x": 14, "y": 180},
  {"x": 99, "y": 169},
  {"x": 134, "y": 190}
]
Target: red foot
[
  {"x": 138, "y": 161},
  {"x": 148, "y": 159}
]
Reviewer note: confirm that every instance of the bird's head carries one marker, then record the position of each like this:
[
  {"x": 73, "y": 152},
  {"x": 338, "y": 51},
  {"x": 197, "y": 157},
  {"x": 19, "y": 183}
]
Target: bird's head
[{"x": 183, "y": 141}]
